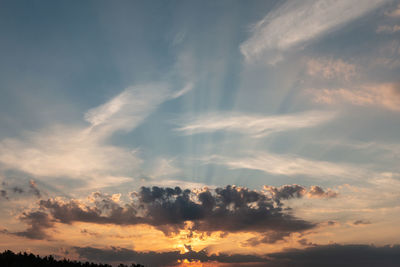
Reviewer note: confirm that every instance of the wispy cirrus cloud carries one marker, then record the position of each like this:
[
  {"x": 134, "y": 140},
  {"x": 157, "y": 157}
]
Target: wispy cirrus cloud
[
  {"x": 382, "y": 95},
  {"x": 82, "y": 151},
  {"x": 294, "y": 24},
  {"x": 162, "y": 168},
  {"x": 254, "y": 125},
  {"x": 62, "y": 151},
  {"x": 128, "y": 109},
  {"x": 288, "y": 165}
]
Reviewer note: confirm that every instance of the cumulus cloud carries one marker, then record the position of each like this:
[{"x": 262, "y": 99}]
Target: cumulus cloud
[
  {"x": 298, "y": 191},
  {"x": 254, "y": 125},
  {"x": 317, "y": 192},
  {"x": 384, "y": 95},
  {"x": 295, "y": 23},
  {"x": 38, "y": 222},
  {"x": 169, "y": 210},
  {"x": 286, "y": 191}
]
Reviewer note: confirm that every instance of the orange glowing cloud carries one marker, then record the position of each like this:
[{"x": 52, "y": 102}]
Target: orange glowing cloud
[{"x": 384, "y": 95}]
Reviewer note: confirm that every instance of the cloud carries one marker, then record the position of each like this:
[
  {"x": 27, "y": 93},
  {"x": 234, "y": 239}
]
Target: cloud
[
  {"x": 10, "y": 191},
  {"x": 3, "y": 194},
  {"x": 388, "y": 55},
  {"x": 384, "y": 95},
  {"x": 361, "y": 222},
  {"x": 286, "y": 191},
  {"x": 128, "y": 109},
  {"x": 316, "y": 255},
  {"x": 188, "y": 87},
  {"x": 298, "y": 191},
  {"x": 65, "y": 152},
  {"x": 285, "y": 165},
  {"x": 294, "y": 24},
  {"x": 267, "y": 238},
  {"x": 388, "y": 28},
  {"x": 395, "y": 12},
  {"x": 329, "y": 68},
  {"x": 180, "y": 183},
  {"x": 83, "y": 152},
  {"x": 34, "y": 189},
  {"x": 163, "y": 168},
  {"x": 317, "y": 192},
  {"x": 169, "y": 258},
  {"x": 338, "y": 255},
  {"x": 169, "y": 210},
  {"x": 255, "y": 125},
  {"x": 38, "y": 222}
]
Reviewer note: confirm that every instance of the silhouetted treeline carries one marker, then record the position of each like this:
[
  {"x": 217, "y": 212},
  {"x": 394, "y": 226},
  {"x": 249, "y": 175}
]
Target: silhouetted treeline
[{"x": 10, "y": 259}]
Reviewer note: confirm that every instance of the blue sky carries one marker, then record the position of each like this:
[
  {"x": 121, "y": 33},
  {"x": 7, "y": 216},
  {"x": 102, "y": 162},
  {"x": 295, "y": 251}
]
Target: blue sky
[{"x": 100, "y": 96}]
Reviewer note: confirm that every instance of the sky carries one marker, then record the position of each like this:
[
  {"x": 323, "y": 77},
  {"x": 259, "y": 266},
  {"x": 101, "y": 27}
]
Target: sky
[{"x": 201, "y": 133}]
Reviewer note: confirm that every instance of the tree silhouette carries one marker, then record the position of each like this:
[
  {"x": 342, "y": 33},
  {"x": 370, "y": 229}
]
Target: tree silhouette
[{"x": 10, "y": 259}]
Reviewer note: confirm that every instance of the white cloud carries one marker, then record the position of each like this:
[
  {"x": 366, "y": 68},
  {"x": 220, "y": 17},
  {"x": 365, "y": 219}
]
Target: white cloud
[
  {"x": 286, "y": 165},
  {"x": 163, "y": 167},
  {"x": 129, "y": 108},
  {"x": 62, "y": 151},
  {"x": 294, "y": 23},
  {"x": 255, "y": 125},
  {"x": 188, "y": 87}
]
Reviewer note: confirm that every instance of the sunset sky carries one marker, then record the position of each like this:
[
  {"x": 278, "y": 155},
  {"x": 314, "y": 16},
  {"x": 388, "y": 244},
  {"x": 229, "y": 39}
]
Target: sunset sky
[{"x": 222, "y": 133}]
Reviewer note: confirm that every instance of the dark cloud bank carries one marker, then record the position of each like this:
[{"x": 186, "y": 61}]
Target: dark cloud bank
[
  {"x": 316, "y": 256},
  {"x": 161, "y": 258},
  {"x": 230, "y": 209},
  {"x": 168, "y": 209}
]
